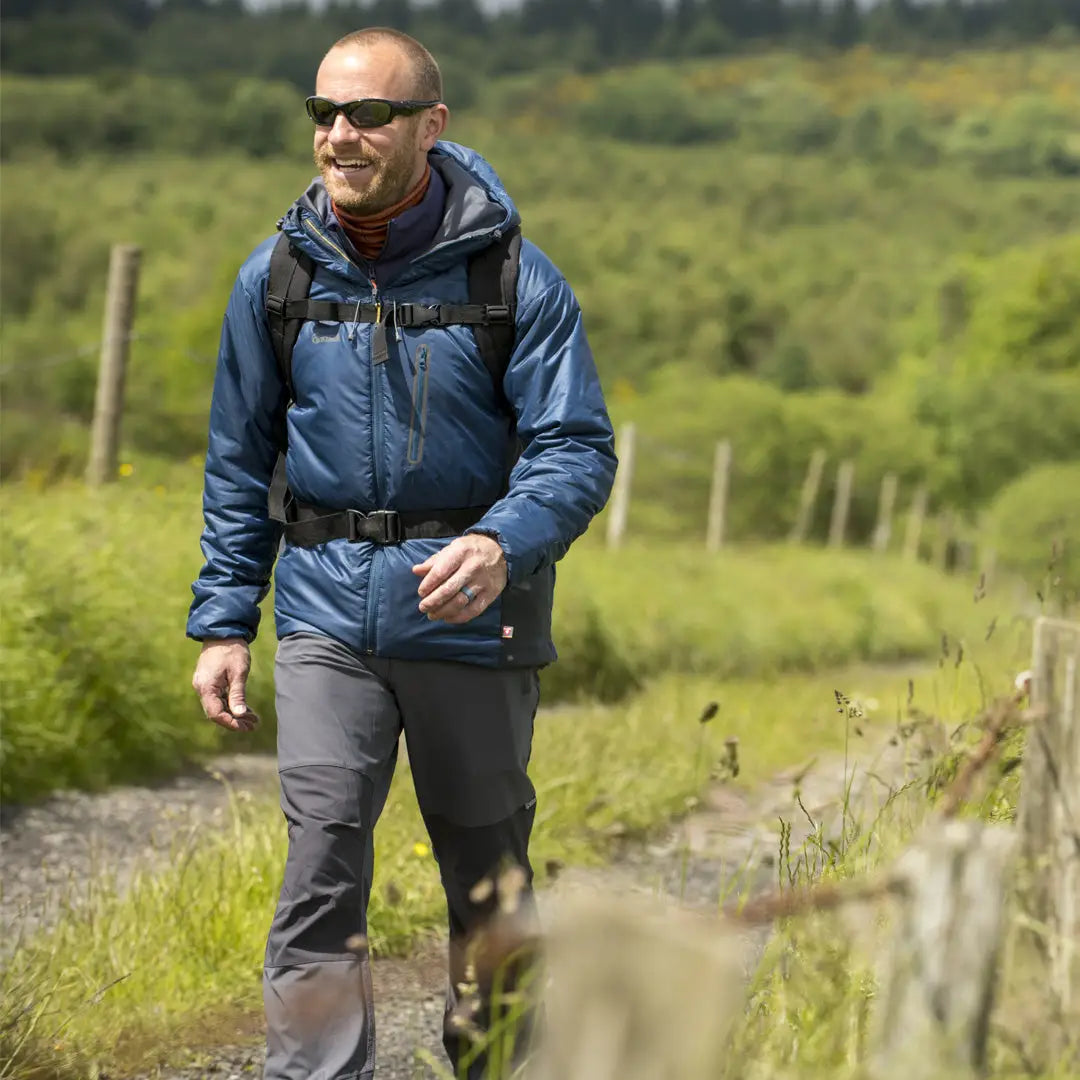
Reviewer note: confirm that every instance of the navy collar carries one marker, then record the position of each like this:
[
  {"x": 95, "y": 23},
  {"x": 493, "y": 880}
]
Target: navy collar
[{"x": 411, "y": 233}]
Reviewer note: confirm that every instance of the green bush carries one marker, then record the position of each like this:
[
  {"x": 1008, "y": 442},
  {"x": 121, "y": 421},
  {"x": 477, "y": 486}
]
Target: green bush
[
  {"x": 892, "y": 128},
  {"x": 75, "y": 117},
  {"x": 96, "y": 670},
  {"x": 788, "y": 117},
  {"x": 988, "y": 429},
  {"x": 653, "y": 105},
  {"x": 1034, "y": 525},
  {"x": 682, "y": 416},
  {"x": 1032, "y": 135}
]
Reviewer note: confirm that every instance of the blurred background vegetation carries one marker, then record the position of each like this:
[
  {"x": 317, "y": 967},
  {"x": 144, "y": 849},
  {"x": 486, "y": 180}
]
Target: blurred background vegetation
[{"x": 792, "y": 225}]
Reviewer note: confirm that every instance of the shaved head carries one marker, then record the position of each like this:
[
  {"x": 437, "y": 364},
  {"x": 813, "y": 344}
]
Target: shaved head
[
  {"x": 367, "y": 169},
  {"x": 426, "y": 78}
]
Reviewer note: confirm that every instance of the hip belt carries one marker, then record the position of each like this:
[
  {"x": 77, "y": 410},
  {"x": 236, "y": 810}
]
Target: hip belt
[{"x": 307, "y": 525}]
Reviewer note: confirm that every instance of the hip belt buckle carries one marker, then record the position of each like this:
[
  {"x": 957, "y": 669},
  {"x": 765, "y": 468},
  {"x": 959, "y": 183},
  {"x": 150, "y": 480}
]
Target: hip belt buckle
[{"x": 379, "y": 526}]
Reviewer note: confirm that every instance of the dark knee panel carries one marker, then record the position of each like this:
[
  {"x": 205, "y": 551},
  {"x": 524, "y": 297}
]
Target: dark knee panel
[{"x": 466, "y": 854}]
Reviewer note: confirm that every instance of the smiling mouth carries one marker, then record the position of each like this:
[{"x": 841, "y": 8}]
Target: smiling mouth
[{"x": 350, "y": 166}]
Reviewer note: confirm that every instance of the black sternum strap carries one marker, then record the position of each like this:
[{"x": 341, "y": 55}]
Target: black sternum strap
[
  {"x": 307, "y": 525},
  {"x": 402, "y": 315}
]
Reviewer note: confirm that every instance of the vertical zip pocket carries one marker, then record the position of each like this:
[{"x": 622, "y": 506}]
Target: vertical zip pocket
[{"x": 418, "y": 421}]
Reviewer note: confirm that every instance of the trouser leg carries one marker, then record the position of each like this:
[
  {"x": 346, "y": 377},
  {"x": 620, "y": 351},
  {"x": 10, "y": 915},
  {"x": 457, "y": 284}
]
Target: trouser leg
[
  {"x": 469, "y": 731},
  {"x": 337, "y": 740},
  {"x": 466, "y": 856}
]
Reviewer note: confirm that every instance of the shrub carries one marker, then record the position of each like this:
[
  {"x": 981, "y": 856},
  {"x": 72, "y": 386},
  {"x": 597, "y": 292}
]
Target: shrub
[
  {"x": 989, "y": 428},
  {"x": 1034, "y": 525},
  {"x": 96, "y": 670},
  {"x": 1032, "y": 135},
  {"x": 652, "y": 105},
  {"x": 788, "y": 117}
]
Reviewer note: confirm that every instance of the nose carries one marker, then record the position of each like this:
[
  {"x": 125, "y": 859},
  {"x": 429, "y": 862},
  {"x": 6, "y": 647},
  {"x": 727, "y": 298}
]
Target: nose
[{"x": 341, "y": 131}]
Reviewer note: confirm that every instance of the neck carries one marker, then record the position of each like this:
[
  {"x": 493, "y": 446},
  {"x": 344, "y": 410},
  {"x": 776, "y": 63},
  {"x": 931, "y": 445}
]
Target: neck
[{"x": 368, "y": 232}]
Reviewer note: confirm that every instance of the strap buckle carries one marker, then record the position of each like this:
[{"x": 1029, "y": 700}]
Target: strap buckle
[
  {"x": 275, "y": 304},
  {"x": 380, "y": 526},
  {"x": 496, "y": 313},
  {"x": 414, "y": 315}
]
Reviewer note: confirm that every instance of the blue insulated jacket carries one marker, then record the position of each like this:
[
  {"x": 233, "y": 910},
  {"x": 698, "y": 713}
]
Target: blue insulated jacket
[{"x": 422, "y": 431}]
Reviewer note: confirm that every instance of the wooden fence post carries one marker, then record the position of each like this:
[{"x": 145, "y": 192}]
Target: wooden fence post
[
  {"x": 886, "y": 502},
  {"x": 943, "y": 534},
  {"x": 845, "y": 475},
  {"x": 1049, "y": 813},
  {"x": 620, "y": 495},
  {"x": 916, "y": 517},
  {"x": 115, "y": 342},
  {"x": 937, "y": 989},
  {"x": 637, "y": 995},
  {"x": 808, "y": 496},
  {"x": 718, "y": 496}
]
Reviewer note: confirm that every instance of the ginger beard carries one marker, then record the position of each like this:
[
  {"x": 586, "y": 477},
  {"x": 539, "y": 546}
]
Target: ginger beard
[{"x": 374, "y": 185}]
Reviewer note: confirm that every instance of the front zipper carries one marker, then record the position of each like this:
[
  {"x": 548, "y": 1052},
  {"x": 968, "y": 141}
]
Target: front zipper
[
  {"x": 319, "y": 235},
  {"x": 371, "y": 629},
  {"x": 372, "y": 633}
]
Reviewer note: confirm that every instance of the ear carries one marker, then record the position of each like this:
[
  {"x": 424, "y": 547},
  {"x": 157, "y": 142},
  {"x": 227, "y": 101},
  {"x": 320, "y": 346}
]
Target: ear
[{"x": 433, "y": 125}]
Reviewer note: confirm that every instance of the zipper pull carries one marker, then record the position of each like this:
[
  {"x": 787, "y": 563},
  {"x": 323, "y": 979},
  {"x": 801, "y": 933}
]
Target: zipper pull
[{"x": 379, "y": 351}]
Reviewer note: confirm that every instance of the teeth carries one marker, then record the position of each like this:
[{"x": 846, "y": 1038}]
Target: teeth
[{"x": 350, "y": 164}]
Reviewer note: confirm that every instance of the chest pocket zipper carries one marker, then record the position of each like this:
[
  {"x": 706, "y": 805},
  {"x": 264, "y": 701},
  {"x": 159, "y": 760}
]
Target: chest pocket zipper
[{"x": 418, "y": 420}]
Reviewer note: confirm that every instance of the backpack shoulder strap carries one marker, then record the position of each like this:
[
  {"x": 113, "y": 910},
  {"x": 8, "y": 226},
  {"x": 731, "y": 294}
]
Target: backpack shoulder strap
[
  {"x": 290, "y": 277},
  {"x": 291, "y": 272},
  {"x": 493, "y": 276}
]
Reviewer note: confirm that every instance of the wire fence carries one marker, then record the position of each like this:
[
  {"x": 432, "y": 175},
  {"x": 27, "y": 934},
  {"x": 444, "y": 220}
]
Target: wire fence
[{"x": 94, "y": 349}]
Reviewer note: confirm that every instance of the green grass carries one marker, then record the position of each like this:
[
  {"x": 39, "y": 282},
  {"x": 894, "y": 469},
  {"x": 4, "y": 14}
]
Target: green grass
[
  {"x": 96, "y": 670},
  {"x": 185, "y": 939}
]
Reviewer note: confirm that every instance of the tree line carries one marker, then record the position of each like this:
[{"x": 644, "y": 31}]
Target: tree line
[{"x": 188, "y": 38}]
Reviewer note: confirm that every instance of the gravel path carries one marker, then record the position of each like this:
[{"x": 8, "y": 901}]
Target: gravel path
[{"x": 731, "y": 836}]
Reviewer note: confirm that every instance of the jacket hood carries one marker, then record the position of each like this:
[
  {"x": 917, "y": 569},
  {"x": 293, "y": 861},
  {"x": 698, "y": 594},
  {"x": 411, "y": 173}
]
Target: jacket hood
[{"x": 477, "y": 210}]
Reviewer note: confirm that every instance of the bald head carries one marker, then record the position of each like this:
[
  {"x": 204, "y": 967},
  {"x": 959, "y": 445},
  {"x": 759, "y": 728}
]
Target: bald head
[
  {"x": 367, "y": 169},
  {"x": 423, "y": 76}
]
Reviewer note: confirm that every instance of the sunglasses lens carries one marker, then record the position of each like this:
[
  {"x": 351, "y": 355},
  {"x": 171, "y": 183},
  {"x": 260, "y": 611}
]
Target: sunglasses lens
[
  {"x": 367, "y": 114},
  {"x": 321, "y": 111}
]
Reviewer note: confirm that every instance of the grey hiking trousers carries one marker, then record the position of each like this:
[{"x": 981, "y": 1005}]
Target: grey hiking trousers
[{"x": 469, "y": 734}]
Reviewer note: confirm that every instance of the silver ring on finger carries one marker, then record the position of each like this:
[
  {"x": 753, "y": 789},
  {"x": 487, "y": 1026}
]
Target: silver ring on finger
[{"x": 469, "y": 594}]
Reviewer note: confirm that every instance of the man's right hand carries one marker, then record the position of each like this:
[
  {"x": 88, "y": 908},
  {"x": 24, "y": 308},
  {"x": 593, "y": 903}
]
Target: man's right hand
[{"x": 219, "y": 680}]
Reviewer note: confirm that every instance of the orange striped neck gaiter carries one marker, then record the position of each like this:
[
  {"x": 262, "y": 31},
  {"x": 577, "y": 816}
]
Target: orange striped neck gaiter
[{"x": 368, "y": 232}]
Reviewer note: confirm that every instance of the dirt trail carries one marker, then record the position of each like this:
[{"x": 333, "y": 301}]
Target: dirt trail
[{"x": 732, "y": 836}]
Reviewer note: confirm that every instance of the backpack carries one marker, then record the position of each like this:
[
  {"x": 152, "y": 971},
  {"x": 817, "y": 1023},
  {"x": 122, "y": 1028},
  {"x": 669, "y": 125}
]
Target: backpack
[{"x": 491, "y": 312}]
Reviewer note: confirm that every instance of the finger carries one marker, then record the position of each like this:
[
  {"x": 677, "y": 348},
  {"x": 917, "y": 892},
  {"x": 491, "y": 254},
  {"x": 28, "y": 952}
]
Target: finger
[
  {"x": 217, "y": 710},
  {"x": 238, "y": 709},
  {"x": 422, "y": 568},
  {"x": 457, "y": 605},
  {"x": 444, "y": 565},
  {"x": 468, "y": 613},
  {"x": 449, "y": 591},
  {"x": 246, "y": 721}
]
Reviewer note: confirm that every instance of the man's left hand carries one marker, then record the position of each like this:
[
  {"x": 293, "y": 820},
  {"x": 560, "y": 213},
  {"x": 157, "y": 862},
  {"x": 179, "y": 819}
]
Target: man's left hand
[{"x": 475, "y": 563}]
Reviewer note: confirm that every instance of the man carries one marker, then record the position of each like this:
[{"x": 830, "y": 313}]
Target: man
[{"x": 413, "y": 588}]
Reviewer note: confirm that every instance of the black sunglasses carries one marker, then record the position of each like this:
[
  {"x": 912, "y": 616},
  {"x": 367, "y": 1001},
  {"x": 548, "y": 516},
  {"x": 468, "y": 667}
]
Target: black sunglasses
[{"x": 365, "y": 113}]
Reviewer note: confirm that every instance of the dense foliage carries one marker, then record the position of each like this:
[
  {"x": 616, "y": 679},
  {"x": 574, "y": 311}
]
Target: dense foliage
[
  {"x": 194, "y": 38},
  {"x": 1034, "y": 524},
  {"x": 872, "y": 254},
  {"x": 96, "y": 675}
]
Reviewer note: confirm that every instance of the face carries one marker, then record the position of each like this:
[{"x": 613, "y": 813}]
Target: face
[{"x": 367, "y": 170}]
